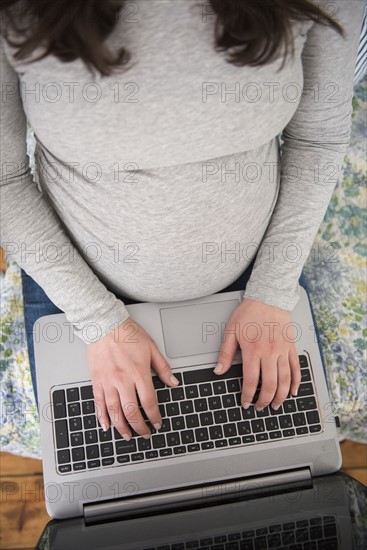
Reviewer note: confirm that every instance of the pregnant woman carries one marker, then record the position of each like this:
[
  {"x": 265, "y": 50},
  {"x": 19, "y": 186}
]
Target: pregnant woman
[{"x": 183, "y": 148}]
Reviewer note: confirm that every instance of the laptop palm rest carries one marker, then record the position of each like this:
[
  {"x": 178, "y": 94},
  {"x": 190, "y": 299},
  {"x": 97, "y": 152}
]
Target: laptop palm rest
[{"x": 194, "y": 330}]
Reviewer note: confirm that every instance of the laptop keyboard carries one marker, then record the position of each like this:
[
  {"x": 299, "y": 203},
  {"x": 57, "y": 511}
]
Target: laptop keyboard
[
  {"x": 316, "y": 533},
  {"x": 203, "y": 413}
]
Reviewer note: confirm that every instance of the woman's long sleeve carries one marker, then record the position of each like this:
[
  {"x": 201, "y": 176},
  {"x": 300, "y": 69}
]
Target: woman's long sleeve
[
  {"x": 33, "y": 235},
  {"x": 315, "y": 143}
]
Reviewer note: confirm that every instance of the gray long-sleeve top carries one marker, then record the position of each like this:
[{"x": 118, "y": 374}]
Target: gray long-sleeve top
[{"x": 163, "y": 181}]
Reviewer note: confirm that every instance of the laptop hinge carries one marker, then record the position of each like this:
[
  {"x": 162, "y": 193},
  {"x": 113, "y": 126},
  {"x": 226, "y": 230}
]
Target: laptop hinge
[{"x": 198, "y": 496}]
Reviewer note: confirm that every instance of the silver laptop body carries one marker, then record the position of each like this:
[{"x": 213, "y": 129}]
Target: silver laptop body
[{"x": 189, "y": 334}]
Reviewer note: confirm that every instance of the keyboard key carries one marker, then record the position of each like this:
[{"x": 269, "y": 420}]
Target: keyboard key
[
  {"x": 192, "y": 421},
  {"x": 233, "y": 385},
  {"x": 206, "y": 419},
  {"x": 144, "y": 444},
  {"x": 200, "y": 405},
  {"x": 165, "y": 452},
  {"x": 79, "y": 466},
  {"x": 275, "y": 528},
  {"x": 72, "y": 394},
  {"x": 163, "y": 396},
  {"x": 302, "y": 535},
  {"x": 201, "y": 434},
  {"x": 248, "y": 439},
  {"x": 76, "y": 439},
  {"x": 215, "y": 402},
  {"x": 234, "y": 414},
  {"x": 86, "y": 392},
  {"x": 205, "y": 390},
  {"x": 187, "y": 436},
  {"x": 177, "y": 394},
  {"x": 303, "y": 361},
  {"x": 137, "y": 456},
  {"x": 123, "y": 447},
  {"x": 329, "y": 530},
  {"x": 286, "y": 421},
  {"x": 179, "y": 450},
  {"x": 216, "y": 432},
  {"x": 172, "y": 409},
  {"x": 219, "y": 387},
  {"x": 94, "y": 463},
  {"x": 313, "y": 417},
  {"x": 258, "y": 425},
  {"x": 235, "y": 441},
  {"x": 58, "y": 402},
  {"x": 75, "y": 424},
  {"x": 299, "y": 419},
  {"x": 186, "y": 407},
  {"x": 228, "y": 401},
  {"x": 289, "y": 406},
  {"x": 221, "y": 443},
  {"x": 305, "y": 375},
  {"x": 166, "y": 425},
  {"x": 305, "y": 389},
  {"x": 275, "y": 435},
  {"x": 64, "y": 468},
  {"x": 88, "y": 407},
  {"x": 61, "y": 432},
  {"x": 74, "y": 409},
  {"x": 289, "y": 433},
  {"x": 274, "y": 540},
  {"x": 173, "y": 439},
  {"x": 157, "y": 383},
  {"x": 191, "y": 392},
  {"x": 207, "y": 445},
  {"x": 230, "y": 430},
  {"x": 207, "y": 375},
  {"x": 92, "y": 451},
  {"x": 89, "y": 422},
  {"x": 249, "y": 413},
  {"x": 158, "y": 441},
  {"x": 151, "y": 454},
  {"x": 261, "y": 414},
  {"x": 105, "y": 436},
  {"x": 306, "y": 403},
  {"x": 108, "y": 461},
  {"x": 244, "y": 428},
  {"x": 302, "y": 431},
  {"x": 194, "y": 447},
  {"x": 315, "y": 428},
  {"x": 63, "y": 457},
  {"x": 178, "y": 423},
  {"x": 277, "y": 412},
  {"x": 106, "y": 449},
  {"x": 262, "y": 437},
  {"x": 288, "y": 536},
  {"x": 272, "y": 424},
  {"x": 117, "y": 434},
  {"x": 123, "y": 459},
  {"x": 316, "y": 532},
  {"x": 78, "y": 454},
  {"x": 91, "y": 436}
]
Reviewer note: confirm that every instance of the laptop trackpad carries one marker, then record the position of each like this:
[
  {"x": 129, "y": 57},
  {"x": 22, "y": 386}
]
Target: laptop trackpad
[{"x": 196, "y": 329}]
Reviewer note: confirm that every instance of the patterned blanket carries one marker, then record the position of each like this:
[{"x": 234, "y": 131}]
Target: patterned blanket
[{"x": 336, "y": 277}]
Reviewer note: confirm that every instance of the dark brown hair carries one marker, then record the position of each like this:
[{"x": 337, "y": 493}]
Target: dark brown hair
[{"x": 77, "y": 29}]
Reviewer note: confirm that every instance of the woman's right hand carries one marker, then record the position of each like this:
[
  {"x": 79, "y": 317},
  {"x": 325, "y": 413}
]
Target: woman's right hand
[{"x": 119, "y": 364}]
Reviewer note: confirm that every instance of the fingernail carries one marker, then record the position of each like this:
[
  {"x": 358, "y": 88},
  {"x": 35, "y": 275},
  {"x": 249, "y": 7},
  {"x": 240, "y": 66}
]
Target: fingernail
[
  {"x": 218, "y": 369},
  {"x": 146, "y": 436},
  {"x": 246, "y": 405},
  {"x": 104, "y": 427},
  {"x": 157, "y": 426},
  {"x": 259, "y": 408},
  {"x": 275, "y": 407},
  {"x": 174, "y": 380},
  {"x": 295, "y": 393},
  {"x": 126, "y": 436}
]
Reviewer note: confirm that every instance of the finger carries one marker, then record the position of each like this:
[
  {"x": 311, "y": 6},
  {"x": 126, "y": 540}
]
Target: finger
[
  {"x": 269, "y": 380},
  {"x": 227, "y": 350},
  {"x": 284, "y": 382},
  {"x": 161, "y": 367},
  {"x": 131, "y": 411},
  {"x": 295, "y": 370},
  {"x": 115, "y": 412},
  {"x": 148, "y": 400},
  {"x": 100, "y": 405},
  {"x": 251, "y": 375}
]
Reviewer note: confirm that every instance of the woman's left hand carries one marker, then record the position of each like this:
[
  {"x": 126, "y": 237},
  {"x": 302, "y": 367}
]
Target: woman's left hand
[{"x": 267, "y": 346}]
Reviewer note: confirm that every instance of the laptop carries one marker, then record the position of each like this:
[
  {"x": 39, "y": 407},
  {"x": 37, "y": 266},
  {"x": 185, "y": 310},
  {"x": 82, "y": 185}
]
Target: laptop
[
  {"x": 208, "y": 445},
  {"x": 328, "y": 516}
]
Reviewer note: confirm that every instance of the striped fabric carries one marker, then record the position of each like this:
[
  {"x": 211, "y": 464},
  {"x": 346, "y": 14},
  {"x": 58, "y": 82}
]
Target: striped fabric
[{"x": 361, "y": 63}]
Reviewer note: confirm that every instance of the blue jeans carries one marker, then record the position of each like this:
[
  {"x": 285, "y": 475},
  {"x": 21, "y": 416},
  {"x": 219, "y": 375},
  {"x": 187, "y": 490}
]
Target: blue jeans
[{"x": 37, "y": 304}]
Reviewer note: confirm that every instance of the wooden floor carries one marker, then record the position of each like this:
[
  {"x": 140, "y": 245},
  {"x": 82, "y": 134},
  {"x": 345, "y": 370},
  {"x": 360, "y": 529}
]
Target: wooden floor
[{"x": 23, "y": 514}]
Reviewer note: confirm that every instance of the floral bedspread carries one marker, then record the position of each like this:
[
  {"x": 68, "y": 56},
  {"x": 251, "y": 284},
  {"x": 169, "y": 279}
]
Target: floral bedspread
[{"x": 336, "y": 280}]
